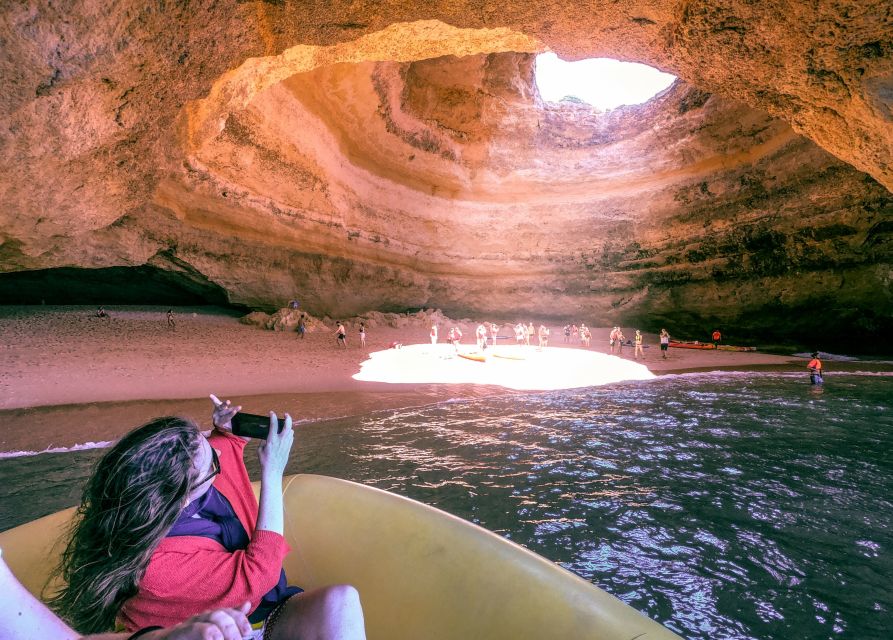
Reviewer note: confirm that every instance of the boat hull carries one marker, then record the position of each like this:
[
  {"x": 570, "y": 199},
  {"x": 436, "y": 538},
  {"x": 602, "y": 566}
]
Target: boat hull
[{"x": 420, "y": 572}]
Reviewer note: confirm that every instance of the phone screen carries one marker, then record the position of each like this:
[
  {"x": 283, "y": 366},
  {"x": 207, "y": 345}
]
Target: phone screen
[{"x": 249, "y": 425}]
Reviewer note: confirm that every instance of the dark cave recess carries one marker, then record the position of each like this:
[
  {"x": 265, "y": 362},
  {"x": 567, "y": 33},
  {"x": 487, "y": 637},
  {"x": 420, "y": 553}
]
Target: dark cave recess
[{"x": 143, "y": 285}]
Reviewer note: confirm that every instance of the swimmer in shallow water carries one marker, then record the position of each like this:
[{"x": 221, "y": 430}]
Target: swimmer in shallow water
[{"x": 815, "y": 369}]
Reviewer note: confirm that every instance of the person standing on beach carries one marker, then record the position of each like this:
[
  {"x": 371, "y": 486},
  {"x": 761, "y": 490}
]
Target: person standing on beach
[
  {"x": 520, "y": 333},
  {"x": 529, "y": 332},
  {"x": 481, "y": 337},
  {"x": 170, "y": 319},
  {"x": 815, "y": 369},
  {"x": 717, "y": 338},
  {"x": 639, "y": 349},
  {"x": 433, "y": 334},
  {"x": 567, "y": 333},
  {"x": 362, "y": 335},
  {"x": 494, "y": 331},
  {"x": 620, "y": 339},
  {"x": 302, "y": 326},
  {"x": 664, "y": 343},
  {"x": 543, "y": 336},
  {"x": 453, "y": 337},
  {"x": 341, "y": 334},
  {"x": 612, "y": 339}
]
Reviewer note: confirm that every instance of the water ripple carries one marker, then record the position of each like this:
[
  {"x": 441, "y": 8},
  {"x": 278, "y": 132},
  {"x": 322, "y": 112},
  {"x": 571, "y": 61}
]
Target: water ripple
[{"x": 724, "y": 506}]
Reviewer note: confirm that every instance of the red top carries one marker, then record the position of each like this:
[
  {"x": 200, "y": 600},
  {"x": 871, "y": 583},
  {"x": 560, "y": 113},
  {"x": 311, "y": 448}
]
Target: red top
[
  {"x": 717, "y": 335},
  {"x": 189, "y": 574}
]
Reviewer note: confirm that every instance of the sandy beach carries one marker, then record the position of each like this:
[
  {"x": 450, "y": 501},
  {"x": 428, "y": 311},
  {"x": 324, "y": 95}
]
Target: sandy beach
[{"x": 75, "y": 375}]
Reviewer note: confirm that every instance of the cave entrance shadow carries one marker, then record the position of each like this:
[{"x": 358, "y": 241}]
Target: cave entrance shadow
[{"x": 143, "y": 285}]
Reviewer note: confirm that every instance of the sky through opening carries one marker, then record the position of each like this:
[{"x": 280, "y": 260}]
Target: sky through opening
[{"x": 602, "y": 82}]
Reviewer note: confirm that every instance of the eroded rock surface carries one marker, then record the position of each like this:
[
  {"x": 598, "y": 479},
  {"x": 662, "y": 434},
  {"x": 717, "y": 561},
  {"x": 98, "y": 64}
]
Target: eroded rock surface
[{"x": 365, "y": 160}]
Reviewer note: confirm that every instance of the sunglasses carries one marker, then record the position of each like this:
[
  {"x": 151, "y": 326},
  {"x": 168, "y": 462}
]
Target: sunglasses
[{"x": 215, "y": 468}]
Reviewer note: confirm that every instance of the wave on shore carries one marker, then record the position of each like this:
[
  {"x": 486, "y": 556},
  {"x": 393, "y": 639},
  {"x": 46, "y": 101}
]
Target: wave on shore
[{"x": 77, "y": 447}]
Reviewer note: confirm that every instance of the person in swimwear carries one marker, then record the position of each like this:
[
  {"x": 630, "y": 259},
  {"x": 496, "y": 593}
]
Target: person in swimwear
[
  {"x": 455, "y": 336},
  {"x": 639, "y": 349},
  {"x": 494, "y": 331},
  {"x": 481, "y": 337},
  {"x": 341, "y": 334},
  {"x": 815, "y": 369},
  {"x": 520, "y": 333},
  {"x": 664, "y": 343},
  {"x": 433, "y": 334}
]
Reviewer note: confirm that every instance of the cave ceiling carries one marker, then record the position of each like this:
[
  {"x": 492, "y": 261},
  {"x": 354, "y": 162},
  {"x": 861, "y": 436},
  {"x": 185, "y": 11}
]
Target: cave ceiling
[{"x": 367, "y": 155}]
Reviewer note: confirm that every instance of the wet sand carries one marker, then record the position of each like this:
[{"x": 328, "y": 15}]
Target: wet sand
[{"x": 67, "y": 377}]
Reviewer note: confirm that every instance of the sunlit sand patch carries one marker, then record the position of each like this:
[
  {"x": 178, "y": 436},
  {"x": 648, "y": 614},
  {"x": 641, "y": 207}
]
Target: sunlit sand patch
[{"x": 510, "y": 366}]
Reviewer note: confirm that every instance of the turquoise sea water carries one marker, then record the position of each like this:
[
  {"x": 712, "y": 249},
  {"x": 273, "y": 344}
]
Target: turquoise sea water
[{"x": 734, "y": 505}]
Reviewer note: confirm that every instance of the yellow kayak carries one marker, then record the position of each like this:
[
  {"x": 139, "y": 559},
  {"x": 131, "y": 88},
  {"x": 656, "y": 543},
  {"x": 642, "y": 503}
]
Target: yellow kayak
[{"x": 421, "y": 573}]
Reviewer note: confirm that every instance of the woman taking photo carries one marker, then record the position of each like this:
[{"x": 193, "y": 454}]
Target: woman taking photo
[{"x": 169, "y": 527}]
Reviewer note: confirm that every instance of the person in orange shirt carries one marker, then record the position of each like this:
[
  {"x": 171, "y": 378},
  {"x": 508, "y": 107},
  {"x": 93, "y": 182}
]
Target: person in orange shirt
[
  {"x": 717, "y": 338},
  {"x": 815, "y": 369}
]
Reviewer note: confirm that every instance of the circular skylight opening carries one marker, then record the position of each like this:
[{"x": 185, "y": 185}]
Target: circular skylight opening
[{"x": 602, "y": 82}]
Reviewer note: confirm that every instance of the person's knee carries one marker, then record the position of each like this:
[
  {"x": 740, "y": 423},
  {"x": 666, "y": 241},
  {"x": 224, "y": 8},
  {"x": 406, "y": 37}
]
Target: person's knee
[{"x": 342, "y": 596}]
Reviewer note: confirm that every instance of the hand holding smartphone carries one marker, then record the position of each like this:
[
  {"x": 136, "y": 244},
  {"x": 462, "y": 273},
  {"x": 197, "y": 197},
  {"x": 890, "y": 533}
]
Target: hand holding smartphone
[{"x": 250, "y": 425}]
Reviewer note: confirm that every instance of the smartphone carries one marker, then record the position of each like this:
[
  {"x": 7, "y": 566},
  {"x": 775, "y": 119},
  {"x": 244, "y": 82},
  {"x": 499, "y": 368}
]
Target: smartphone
[{"x": 249, "y": 425}]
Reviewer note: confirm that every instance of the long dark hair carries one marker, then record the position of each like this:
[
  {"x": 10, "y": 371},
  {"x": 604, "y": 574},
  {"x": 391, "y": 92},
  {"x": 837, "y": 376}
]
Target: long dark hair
[{"x": 136, "y": 492}]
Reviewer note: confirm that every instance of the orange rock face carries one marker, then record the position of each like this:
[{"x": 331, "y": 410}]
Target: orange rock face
[{"x": 369, "y": 161}]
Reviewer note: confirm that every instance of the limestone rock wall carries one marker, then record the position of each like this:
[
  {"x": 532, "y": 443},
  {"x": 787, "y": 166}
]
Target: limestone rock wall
[{"x": 370, "y": 159}]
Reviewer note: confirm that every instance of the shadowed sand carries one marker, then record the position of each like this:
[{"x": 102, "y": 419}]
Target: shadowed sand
[{"x": 132, "y": 363}]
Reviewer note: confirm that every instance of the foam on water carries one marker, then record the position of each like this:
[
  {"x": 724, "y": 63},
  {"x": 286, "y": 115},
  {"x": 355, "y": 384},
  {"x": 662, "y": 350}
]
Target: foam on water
[{"x": 77, "y": 447}]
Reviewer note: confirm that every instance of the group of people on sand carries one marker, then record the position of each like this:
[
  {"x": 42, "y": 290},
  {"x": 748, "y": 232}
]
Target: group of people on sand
[
  {"x": 168, "y": 528},
  {"x": 340, "y": 333},
  {"x": 524, "y": 334}
]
